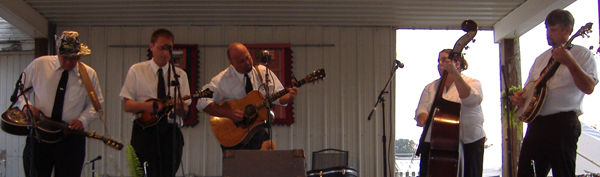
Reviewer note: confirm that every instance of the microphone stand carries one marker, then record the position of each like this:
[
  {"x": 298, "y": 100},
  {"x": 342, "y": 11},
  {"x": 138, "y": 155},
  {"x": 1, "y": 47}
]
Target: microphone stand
[
  {"x": 178, "y": 111},
  {"x": 94, "y": 168},
  {"x": 381, "y": 99},
  {"x": 266, "y": 86},
  {"x": 145, "y": 169},
  {"x": 32, "y": 131},
  {"x": 509, "y": 120}
]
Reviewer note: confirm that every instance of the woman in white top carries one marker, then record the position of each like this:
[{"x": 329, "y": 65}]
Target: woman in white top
[{"x": 460, "y": 89}]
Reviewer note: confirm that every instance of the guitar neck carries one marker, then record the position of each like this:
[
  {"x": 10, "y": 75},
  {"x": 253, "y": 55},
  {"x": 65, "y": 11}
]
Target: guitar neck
[
  {"x": 68, "y": 129},
  {"x": 278, "y": 95},
  {"x": 197, "y": 94},
  {"x": 52, "y": 123},
  {"x": 551, "y": 68}
]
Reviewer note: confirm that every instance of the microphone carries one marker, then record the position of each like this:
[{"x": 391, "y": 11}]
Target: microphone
[
  {"x": 18, "y": 86},
  {"x": 400, "y": 64},
  {"x": 167, "y": 47},
  {"x": 265, "y": 58},
  {"x": 97, "y": 158},
  {"x": 170, "y": 48}
]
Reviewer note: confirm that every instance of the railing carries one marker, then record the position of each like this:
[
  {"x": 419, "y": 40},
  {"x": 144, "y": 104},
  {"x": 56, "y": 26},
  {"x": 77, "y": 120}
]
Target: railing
[{"x": 406, "y": 174}]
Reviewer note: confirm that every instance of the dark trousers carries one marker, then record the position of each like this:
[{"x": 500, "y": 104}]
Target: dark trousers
[
  {"x": 473, "y": 153},
  {"x": 65, "y": 157},
  {"x": 254, "y": 144},
  {"x": 159, "y": 146},
  {"x": 473, "y": 158},
  {"x": 426, "y": 146},
  {"x": 551, "y": 142}
]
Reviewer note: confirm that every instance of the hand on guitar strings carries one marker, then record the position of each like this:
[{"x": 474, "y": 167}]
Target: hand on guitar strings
[
  {"x": 562, "y": 55},
  {"x": 293, "y": 91},
  {"x": 291, "y": 95},
  {"x": 181, "y": 104},
  {"x": 76, "y": 124},
  {"x": 518, "y": 98},
  {"x": 236, "y": 115},
  {"x": 34, "y": 111}
]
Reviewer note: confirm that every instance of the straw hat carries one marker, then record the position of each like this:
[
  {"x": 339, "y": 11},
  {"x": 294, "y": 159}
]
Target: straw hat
[{"x": 69, "y": 45}]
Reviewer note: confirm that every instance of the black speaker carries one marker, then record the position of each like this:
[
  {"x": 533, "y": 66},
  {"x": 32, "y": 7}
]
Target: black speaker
[{"x": 264, "y": 163}]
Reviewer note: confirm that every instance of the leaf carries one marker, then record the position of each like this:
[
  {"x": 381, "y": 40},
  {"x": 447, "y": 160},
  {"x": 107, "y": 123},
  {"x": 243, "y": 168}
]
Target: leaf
[{"x": 133, "y": 162}]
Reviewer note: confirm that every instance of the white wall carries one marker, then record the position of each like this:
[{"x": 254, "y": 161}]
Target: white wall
[
  {"x": 11, "y": 66},
  {"x": 329, "y": 114}
]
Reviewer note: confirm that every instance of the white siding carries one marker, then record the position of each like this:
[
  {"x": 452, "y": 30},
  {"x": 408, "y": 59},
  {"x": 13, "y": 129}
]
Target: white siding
[
  {"x": 329, "y": 114},
  {"x": 11, "y": 66}
]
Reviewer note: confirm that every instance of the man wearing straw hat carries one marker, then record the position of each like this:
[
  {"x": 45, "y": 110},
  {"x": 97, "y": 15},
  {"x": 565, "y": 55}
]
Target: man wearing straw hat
[{"x": 59, "y": 94}]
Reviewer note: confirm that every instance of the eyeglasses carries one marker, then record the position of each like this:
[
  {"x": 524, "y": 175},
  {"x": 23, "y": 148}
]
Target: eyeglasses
[{"x": 71, "y": 58}]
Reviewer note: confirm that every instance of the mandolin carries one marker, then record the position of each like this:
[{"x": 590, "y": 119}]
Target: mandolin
[{"x": 147, "y": 119}]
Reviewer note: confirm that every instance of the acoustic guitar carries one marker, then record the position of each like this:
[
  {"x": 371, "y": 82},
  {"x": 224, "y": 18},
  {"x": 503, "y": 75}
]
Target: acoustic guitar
[
  {"x": 147, "y": 119},
  {"x": 15, "y": 122},
  {"x": 444, "y": 119},
  {"x": 535, "y": 91},
  {"x": 231, "y": 134}
]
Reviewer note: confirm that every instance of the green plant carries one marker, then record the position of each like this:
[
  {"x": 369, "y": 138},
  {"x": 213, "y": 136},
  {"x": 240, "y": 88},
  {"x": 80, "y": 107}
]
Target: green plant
[{"x": 135, "y": 168}]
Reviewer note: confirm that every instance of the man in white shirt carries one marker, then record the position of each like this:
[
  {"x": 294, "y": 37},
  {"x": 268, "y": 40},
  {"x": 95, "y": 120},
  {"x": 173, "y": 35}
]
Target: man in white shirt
[
  {"x": 234, "y": 83},
  {"x": 60, "y": 94},
  {"x": 459, "y": 89},
  {"x": 150, "y": 80},
  {"x": 551, "y": 138}
]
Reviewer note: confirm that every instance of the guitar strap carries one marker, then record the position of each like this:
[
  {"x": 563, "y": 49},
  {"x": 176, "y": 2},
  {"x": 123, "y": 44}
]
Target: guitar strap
[
  {"x": 259, "y": 75},
  {"x": 90, "y": 89},
  {"x": 261, "y": 80},
  {"x": 92, "y": 94}
]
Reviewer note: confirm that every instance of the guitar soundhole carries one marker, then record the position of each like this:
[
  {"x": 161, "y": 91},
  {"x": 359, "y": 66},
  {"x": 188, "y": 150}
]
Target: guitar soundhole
[{"x": 250, "y": 115}]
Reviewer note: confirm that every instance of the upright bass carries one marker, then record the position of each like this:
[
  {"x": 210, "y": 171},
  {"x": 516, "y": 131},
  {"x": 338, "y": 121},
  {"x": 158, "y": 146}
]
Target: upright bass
[{"x": 444, "y": 119}]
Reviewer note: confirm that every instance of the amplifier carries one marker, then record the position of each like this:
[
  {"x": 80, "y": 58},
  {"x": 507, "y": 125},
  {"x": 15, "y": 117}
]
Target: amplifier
[{"x": 264, "y": 163}]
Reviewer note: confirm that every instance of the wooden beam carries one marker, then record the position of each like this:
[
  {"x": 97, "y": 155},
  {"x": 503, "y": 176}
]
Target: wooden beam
[
  {"x": 41, "y": 47},
  {"x": 526, "y": 16},
  {"x": 24, "y": 17},
  {"x": 512, "y": 127}
]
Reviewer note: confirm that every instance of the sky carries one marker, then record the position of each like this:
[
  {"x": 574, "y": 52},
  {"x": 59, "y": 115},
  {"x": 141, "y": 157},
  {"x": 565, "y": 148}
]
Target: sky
[{"x": 419, "y": 54}]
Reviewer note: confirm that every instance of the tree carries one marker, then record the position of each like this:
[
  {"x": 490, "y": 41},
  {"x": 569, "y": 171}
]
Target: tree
[{"x": 405, "y": 146}]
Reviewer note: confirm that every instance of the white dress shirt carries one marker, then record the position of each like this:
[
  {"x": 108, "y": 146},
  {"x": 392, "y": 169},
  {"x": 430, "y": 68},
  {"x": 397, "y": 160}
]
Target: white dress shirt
[
  {"x": 562, "y": 94},
  {"x": 471, "y": 115},
  {"x": 142, "y": 81},
  {"x": 43, "y": 75},
  {"x": 230, "y": 85}
]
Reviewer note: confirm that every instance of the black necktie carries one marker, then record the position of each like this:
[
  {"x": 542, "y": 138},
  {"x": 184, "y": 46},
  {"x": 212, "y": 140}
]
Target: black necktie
[
  {"x": 57, "y": 109},
  {"x": 248, "y": 84},
  {"x": 161, "y": 85}
]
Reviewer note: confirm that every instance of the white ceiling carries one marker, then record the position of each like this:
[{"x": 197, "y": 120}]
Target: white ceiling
[
  {"x": 514, "y": 16},
  {"x": 427, "y": 14}
]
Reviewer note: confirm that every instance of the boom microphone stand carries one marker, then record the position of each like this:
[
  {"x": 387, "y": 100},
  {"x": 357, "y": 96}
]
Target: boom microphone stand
[
  {"x": 93, "y": 162},
  {"x": 33, "y": 126},
  {"x": 509, "y": 120},
  {"x": 381, "y": 99},
  {"x": 266, "y": 57},
  {"x": 176, "y": 97}
]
